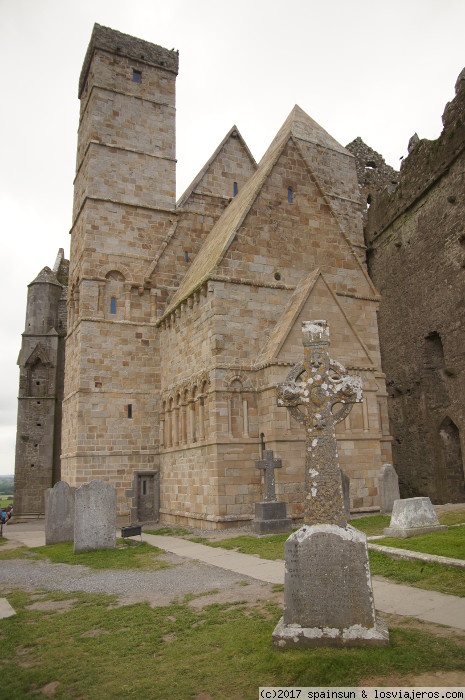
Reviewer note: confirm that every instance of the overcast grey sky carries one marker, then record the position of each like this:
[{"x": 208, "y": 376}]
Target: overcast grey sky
[{"x": 370, "y": 68}]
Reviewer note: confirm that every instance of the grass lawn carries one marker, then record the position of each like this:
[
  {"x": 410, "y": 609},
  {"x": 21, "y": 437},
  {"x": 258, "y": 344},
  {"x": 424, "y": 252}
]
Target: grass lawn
[
  {"x": 126, "y": 556},
  {"x": 431, "y": 577},
  {"x": 6, "y": 500},
  {"x": 79, "y": 645},
  {"x": 447, "y": 543},
  {"x": 82, "y": 646}
]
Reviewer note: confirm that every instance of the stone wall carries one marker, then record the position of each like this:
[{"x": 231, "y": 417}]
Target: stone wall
[
  {"x": 183, "y": 318},
  {"x": 416, "y": 258}
]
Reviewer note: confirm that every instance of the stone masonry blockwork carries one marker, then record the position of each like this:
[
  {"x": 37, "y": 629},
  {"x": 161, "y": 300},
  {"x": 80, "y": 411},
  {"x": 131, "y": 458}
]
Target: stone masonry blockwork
[{"x": 183, "y": 317}]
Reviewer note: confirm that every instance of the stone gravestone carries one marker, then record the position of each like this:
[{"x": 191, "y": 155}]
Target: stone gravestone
[
  {"x": 95, "y": 517},
  {"x": 59, "y": 513},
  {"x": 388, "y": 484},
  {"x": 413, "y": 516},
  {"x": 270, "y": 514},
  {"x": 328, "y": 595}
]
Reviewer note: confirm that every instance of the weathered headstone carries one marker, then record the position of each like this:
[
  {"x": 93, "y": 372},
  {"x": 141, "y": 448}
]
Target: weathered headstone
[
  {"x": 388, "y": 484},
  {"x": 328, "y": 596},
  {"x": 270, "y": 514},
  {"x": 95, "y": 517},
  {"x": 413, "y": 516},
  {"x": 59, "y": 513}
]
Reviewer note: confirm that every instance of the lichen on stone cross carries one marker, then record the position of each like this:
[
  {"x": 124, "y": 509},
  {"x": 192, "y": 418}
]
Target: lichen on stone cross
[
  {"x": 312, "y": 391},
  {"x": 269, "y": 464}
]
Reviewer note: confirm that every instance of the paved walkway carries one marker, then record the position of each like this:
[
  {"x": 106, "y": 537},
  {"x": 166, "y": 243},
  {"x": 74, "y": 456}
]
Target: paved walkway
[{"x": 389, "y": 597}]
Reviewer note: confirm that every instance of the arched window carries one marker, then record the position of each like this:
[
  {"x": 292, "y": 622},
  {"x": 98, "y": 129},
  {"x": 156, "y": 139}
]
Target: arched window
[
  {"x": 434, "y": 376},
  {"x": 113, "y": 293},
  {"x": 452, "y": 481}
]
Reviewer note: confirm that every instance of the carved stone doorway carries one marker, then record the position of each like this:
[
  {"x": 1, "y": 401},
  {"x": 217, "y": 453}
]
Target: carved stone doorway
[
  {"x": 148, "y": 496},
  {"x": 453, "y": 481}
]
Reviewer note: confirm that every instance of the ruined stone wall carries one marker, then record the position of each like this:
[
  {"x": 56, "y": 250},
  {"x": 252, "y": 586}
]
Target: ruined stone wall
[
  {"x": 373, "y": 173},
  {"x": 416, "y": 259}
]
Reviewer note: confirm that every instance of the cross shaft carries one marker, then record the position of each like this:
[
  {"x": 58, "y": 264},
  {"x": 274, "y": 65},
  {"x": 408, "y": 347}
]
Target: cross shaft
[{"x": 323, "y": 386}]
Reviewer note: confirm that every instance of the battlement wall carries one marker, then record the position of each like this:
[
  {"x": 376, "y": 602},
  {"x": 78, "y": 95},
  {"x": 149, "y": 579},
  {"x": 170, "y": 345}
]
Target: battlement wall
[
  {"x": 116, "y": 42},
  {"x": 426, "y": 163}
]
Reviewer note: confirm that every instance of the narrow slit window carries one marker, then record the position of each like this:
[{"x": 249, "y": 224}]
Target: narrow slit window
[
  {"x": 129, "y": 410},
  {"x": 113, "y": 305},
  {"x": 186, "y": 256},
  {"x": 290, "y": 195},
  {"x": 235, "y": 189},
  {"x": 144, "y": 487},
  {"x": 136, "y": 76}
]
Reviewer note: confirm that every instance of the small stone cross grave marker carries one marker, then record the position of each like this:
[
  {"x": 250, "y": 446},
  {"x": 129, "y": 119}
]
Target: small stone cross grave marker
[
  {"x": 269, "y": 464},
  {"x": 324, "y": 385}
]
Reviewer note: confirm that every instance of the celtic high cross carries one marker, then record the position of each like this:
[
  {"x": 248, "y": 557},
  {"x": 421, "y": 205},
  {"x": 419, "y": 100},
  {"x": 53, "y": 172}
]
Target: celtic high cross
[{"x": 321, "y": 387}]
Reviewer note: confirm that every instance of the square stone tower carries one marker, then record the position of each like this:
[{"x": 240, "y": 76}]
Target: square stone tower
[{"x": 124, "y": 196}]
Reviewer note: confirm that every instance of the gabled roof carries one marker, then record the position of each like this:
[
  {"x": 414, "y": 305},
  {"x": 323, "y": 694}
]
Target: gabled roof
[
  {"x": 298, "y": 127},
  {"x": 233, "y": 132},
  {"x": 304, "y": 128}
]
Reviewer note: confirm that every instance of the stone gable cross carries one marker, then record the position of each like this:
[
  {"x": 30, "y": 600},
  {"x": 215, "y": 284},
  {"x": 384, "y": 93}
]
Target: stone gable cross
[
  {"x": 323, "y": 385},
  {"x": 269, "y": 464}
]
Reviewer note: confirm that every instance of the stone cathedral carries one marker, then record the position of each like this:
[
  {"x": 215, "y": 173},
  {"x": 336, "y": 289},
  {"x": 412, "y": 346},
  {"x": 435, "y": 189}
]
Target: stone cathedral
[{"x": 182, "y": 317}]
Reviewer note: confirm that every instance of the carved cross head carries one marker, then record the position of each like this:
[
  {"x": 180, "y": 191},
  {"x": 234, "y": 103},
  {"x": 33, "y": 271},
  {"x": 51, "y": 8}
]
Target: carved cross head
[{"x": 318, "y": 384}]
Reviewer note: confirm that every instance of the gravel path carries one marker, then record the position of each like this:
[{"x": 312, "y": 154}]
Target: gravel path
[{"x": 156, "y": 587}]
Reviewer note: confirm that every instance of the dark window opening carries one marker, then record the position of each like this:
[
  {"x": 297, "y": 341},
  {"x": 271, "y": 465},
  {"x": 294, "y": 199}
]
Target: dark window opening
[
  {"x": 262, "y": 445},
  {"x": 290, "y": 195},
  {"x": 277, "y": 276},
  {"x": 370, "y": 164},
  {"x": 235, "y": 188},
  {"x": 186, "y": 256},
  {"x": 137, "y": 75},
  {"x": 113, "y": 305},
  {"x": 129, "y": 410},
  {"x": 144, "y": 487},
  {"x": 39, "y": 425}
]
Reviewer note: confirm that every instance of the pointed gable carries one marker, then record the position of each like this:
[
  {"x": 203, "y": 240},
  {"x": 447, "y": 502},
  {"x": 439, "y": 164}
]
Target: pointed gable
[
  {"x": 316, "y": 215},
  {"x": 232, "y": 162},
  {"x": 303, "y": 128},
  {"x": 39, "y": 354},
  {"x": 314, "y": 298}
]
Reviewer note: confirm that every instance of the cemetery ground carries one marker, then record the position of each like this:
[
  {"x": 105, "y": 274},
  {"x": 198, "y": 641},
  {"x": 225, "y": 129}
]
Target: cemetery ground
[{"x": 198, "y": 632}]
